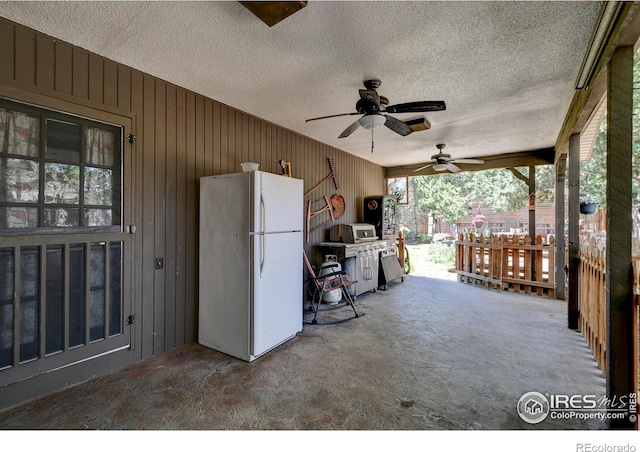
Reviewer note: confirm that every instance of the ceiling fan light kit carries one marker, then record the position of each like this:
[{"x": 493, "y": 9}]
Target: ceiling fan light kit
[{"x": 372, "y": 121}]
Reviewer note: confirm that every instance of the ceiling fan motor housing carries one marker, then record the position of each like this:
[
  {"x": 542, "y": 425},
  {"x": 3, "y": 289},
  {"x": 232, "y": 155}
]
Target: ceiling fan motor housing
[
  {"x": 372, "y": 84},
  {"x": 366, "y": 107}
]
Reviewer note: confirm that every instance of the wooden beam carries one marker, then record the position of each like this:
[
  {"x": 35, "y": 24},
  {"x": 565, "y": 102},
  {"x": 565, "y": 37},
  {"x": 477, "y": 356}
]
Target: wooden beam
[
  {"x": 574, "y": 233},
  {"x": 582, "y": 107},
  {"x": 620, "y": 372},
  {"x": 519, "y": 175},
  {"x": 560, "y": 279},
  {"x": 510, "y": 160},
  {"x": 585, "y": 100}
]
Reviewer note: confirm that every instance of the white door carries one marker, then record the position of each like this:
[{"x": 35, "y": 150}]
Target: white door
[
  {"x": 279, "y": 203},
  {"x": 277, "y": 289}
]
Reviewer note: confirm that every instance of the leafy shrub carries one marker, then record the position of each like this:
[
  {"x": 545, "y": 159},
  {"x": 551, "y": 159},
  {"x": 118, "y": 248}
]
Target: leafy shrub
[
  {"x": 440, "y": 253},
  {"x": 424, "y": 238},
  {"x": 410, "y": 236}
]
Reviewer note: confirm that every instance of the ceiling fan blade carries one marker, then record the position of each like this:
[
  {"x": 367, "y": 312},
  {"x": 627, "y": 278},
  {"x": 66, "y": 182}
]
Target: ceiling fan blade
[
  {"x": 417, "y": 107},
  {"x": 422, "y": 167},
  {"x": 333, "y": 116},
  {"x": 349, "y": 130},
  {"x": 453, "y": 168},
  {"x": 473, "y": 161},
  {"x": 397, "y": 126}
]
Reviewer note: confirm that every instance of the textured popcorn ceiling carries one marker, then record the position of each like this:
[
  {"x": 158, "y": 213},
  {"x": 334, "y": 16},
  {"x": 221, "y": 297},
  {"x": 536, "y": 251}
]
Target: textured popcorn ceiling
[{"x": 506, "y": 70}]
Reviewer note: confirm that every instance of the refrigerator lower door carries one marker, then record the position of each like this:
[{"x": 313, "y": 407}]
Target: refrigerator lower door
[{"x": 276, "y": 313}]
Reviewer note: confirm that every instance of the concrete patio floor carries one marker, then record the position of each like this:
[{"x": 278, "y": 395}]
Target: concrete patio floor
[{"x": 430, "y": 354}]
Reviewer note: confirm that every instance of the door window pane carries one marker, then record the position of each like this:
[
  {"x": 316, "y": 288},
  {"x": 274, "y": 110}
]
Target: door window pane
[
  {"x": 64, "y": 141},
  {"x": 52, "y": 160},
  {"x": 98, "y": 217},
  {"x": 55, "y": 297},
  {"x": 61, "y": 183},
  {"x": 97, "y": 291},
  {"x": 100, "y": 147},
  {"x": 115, "y": 286},
  {"x": 19, "y": 133},
  {"x": 29, "y": 297},
  {"x": 19, "y": 179},
  {"x": 18, "y": 217},
  {"x": 76, "y": 295},
  {"x": 61, "y": 217},
  {"x": 97, "y": 186},
  {"x": 6, "y": 307}
]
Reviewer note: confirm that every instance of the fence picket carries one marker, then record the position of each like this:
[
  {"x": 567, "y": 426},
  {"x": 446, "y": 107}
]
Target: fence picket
[{"x": 504, "y": 262}]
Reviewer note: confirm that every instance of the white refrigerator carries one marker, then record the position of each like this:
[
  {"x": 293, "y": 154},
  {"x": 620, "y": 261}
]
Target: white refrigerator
[{"x": 250, "y": 262}]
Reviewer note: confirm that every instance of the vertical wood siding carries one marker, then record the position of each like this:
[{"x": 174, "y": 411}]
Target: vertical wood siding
[{"x": 181, "y": 136}]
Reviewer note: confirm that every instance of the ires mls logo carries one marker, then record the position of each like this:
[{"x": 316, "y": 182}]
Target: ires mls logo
[{"x": 533, "y": 407}]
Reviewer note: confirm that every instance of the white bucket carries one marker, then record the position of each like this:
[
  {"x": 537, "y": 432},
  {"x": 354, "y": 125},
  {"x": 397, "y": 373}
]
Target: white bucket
[
  {"x": 247, "y": 167},
  {"x": 330, "y": 265}
]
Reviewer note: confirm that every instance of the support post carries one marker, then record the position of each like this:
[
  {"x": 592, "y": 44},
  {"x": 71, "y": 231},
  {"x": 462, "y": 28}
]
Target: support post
[
  {"x": 574, "y": 229},
  {"x": 619, "y": 282},
  {"x": 561, "y": 166},
  {"x": 531, "y": 184}
]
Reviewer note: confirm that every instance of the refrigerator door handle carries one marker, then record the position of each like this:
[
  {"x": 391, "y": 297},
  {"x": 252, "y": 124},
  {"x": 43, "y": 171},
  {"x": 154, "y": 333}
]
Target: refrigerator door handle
[
  {"x": 262, "y": 227},
  {"x": 262, "y": 254},
  {"x": 263, "y": 212}
]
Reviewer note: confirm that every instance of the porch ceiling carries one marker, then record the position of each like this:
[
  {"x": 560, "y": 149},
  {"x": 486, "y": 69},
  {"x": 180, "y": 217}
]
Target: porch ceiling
[{"x": 506, "y": 70}]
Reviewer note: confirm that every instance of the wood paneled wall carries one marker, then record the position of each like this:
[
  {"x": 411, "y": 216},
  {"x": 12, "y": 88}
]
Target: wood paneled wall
[{"x": 181, "y": 136}]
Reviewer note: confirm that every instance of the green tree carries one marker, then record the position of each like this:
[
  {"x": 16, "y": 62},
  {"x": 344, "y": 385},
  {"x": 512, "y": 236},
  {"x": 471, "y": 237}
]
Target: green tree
[
  {"x": 448, "y": 196},
  {"x": 593, "y": 183},
  {"x": 593, "y": 172},
  {"x": 504, "y": 192}
]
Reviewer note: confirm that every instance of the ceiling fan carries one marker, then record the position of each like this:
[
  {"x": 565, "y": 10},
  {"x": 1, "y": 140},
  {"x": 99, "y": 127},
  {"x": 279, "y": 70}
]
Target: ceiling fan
[
  {"x": 442, "y": 162},
  {"x": 374, "y": 108}
]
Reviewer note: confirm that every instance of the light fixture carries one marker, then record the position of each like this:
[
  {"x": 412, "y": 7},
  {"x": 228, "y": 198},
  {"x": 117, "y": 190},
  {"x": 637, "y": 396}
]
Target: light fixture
[
  {"x": 440, "y": 166},
  {"x": 372, "y": 121}
]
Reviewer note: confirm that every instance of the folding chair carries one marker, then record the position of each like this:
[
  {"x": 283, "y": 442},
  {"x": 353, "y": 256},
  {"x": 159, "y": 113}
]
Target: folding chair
[{"x": 325, "y": 283}]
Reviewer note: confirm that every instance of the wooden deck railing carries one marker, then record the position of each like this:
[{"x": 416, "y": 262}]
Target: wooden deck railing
[
  {"x": 636, "y": 324},
  {"x": 507, "y": 262},
  {"x": 592, "y": 299},
  {"x": 592, "y": 296}
]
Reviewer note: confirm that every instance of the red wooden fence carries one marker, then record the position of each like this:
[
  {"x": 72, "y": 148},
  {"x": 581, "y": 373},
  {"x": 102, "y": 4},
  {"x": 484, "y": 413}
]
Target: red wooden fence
[
  {"x": 592, "y": 296},
  {"x": 507, "y": 262}
]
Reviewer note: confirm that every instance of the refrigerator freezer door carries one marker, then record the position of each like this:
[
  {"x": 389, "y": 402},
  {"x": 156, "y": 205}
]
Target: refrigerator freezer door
[
  {"x": 277, "y": 289},
  {"x": 226, "y": 204},
  {"x": 278, "y": 206}
]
